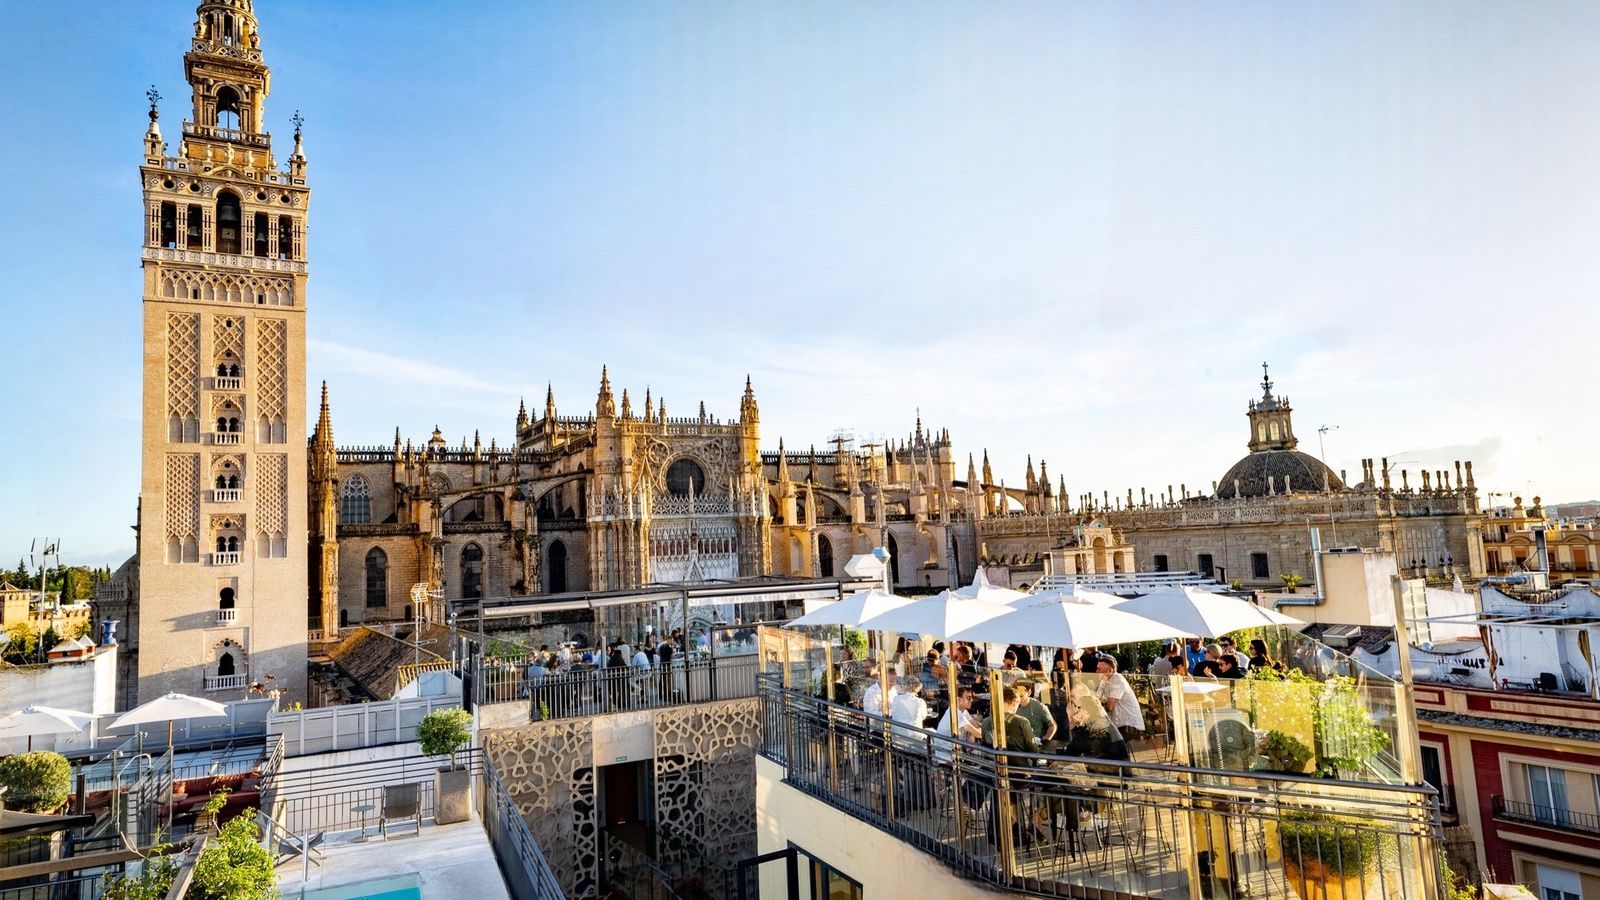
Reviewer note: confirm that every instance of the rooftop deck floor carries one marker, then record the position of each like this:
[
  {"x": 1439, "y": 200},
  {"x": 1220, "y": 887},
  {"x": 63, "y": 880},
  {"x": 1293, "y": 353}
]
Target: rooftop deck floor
[{"x": 454, "y": 861}]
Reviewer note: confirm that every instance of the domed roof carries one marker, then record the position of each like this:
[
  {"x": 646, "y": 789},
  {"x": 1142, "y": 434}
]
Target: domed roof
[{"x": 1288, "y": 469}]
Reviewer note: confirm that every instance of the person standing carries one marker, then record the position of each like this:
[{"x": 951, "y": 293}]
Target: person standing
[
  {"x": 1037, "y": 714},
  {"x": 664, "y": 653},
  {"x": 1117, "y": 696}
]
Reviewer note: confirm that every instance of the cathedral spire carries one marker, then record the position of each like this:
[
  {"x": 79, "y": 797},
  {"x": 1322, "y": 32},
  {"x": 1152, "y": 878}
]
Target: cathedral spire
[
  {"x": 549, "y": 400},
  {"x": 627, "y": 405},
  {"x": 783, "y": 463},
  {"x": 522, "y": 413},
  {"x": 324, "y": 456},
  {"x": 988, "y": 474},
  {"x": 748, "y": 411},
  {"x": 649, "y": 412},
  {"x": 605, "y": 405},
  {"x": 1271, "y": 419}
]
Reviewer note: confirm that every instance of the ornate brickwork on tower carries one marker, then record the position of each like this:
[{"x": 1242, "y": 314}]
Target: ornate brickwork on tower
[{"x": 222, "y": 565}]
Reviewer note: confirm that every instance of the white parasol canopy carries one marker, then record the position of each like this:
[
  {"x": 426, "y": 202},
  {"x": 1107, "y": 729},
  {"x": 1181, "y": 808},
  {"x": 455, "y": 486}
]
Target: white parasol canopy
[
  {"x": 983, "y": 589},
  {"x": 940, "y": 616},
  {"x": 1067, "y": 623},
  {"x": 31, "y": 721},
  {"x": 1203, "y": 613},
  {"x": 852, "y": 610},
  {"x": 1068, "y": 594},
  {"x": 170, "y": 708}
]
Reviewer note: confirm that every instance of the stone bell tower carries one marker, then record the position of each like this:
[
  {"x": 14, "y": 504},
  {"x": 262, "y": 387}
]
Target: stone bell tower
[{"x": 222, "y": 548}]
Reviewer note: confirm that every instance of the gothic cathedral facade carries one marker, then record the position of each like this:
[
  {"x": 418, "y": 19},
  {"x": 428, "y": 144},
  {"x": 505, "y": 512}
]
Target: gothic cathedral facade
[{"x": 222, "y": 525}]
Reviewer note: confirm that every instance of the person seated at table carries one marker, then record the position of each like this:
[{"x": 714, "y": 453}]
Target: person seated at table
[
  {"x": 1228, "y": 666},
  {"x": 1023, "y": 655},
  {"x": 908, "y": 708},
  {"x": 1226, "y": 647},
  {"x": 1164, "y": 665},
  {"x": 1009, "y": 671},
  {"x": 1207, "y": 667},
  {"x": 1258, "y": 655},
  {"x": 1117, "y": 696},
  {"x": 1093, "y": 734},
  {"x": 933, "y": 672},
  {"x": 1193, "y": 652},
  {"x": 966, "y": 670},
  {"x": 1037, "y": 714},
  {"x": 872, "y": 693}
]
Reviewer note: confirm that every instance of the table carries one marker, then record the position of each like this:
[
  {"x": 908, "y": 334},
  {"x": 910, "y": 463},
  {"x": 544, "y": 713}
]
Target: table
[{"x": 363, "y": 809}]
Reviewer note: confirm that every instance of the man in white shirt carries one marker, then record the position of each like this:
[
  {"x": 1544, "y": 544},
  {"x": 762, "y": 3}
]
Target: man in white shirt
[
  {"x": 967, "y": 725},
  {"x": 872, "y": 698},
  {"x": 1117, "y": 696}
]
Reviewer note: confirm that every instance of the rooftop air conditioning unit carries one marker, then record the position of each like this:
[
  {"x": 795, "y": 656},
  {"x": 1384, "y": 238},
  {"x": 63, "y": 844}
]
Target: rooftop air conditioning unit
[{"x": 1342, "y": 637}]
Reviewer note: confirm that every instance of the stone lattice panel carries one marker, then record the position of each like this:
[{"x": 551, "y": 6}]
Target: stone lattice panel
[
  {"x": 183, "y": 366},
  {"x": 549, "y": 769},
  {"x": 227, "y": 335},
  {"x": 705, "y": 773},
  {"x": 183, "y": 495},
  {"x": 272, "y": 494},
  {"x": 272, "y": 361}
]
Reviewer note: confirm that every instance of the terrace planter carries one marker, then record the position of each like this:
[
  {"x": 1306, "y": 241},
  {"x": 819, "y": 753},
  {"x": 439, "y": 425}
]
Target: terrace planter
[
  {"x": 452, "y": 795},
  {"x": 1310, "y": 878}
]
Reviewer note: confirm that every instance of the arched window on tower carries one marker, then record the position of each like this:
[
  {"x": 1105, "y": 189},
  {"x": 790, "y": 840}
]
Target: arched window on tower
[
  {"x": 262, "y": 233},
  {"x": 229, "y": 222},
  {"x": 285, "y": 237},
  {"x": 169, "y": 225},
  {"x": 1272, "y": 429},
  {"x": 556, "y": 557},
  {"x": 225, "y": 598},
  {"x": 824, "y": 557},
  {"x": 894, "y": 562},
  {"x": 471, "y": 571},
  {"x": 377, "y": 578},
  {"x": 228, "y": 109},
  {"x": 355, "y": 502},
  {"x": 192, "y": 236},
  {"x": 225, "y": 666}
]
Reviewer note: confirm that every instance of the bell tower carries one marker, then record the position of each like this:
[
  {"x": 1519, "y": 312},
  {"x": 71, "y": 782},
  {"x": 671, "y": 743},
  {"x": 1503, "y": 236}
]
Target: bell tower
[{"x": 222, "y": 551}]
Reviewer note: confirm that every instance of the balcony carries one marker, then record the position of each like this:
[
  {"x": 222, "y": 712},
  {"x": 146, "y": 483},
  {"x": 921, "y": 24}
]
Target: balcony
[
  {"x": 224, "y": 383},
  {"x": 225, "y": 682},
  {"x": 230, "y": 558},
  {"x": 227, "y": 616},
  {"x": 1545, "y": 816},
  {"x": 227, "y": 495},
  {"x": 227, "y": 438}
]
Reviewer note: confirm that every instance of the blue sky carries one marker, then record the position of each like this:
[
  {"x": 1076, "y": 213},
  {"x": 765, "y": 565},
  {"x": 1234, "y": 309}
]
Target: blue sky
[{"x": 1071, "y": 230}]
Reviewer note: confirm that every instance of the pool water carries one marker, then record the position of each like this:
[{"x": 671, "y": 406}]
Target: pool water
[{"x": 391, "y": 887}]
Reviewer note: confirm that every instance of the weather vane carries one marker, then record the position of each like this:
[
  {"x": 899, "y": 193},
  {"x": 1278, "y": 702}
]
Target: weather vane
[
  {"x": 155, "y": 97},
  {"x": 298, "y": 121}
]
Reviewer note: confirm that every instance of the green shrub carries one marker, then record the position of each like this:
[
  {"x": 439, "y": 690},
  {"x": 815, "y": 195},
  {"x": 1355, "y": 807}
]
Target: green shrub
[
  {"x": 36, "y": 782},
  {"x": 152, "y": 882},
  {"x": 1285, "y": 753},
  {"x": 235, "y": 866},
  {"x": 444, "y": 732},
  {"x": 1340, "y": 845}
]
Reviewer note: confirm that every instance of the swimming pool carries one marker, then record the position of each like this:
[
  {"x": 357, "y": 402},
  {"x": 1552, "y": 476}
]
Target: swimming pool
[{"x": 389, "y": 887}]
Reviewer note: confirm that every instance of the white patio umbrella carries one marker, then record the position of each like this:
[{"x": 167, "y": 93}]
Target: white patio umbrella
[
  {"x": 1201, "y": 612},
  {"x": 982, "y": 589},
  {"x": 1067, "y": 594},
  {"x": 940, "y": 616},
  {"x": 169, "y": 709},
  {"x": 39, "y": 720},
  {"x": 1067, "y": 623},
  {"x": 852, "y": 610}
]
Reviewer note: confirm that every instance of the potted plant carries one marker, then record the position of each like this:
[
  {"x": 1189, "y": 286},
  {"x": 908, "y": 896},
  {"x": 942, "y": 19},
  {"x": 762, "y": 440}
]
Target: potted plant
[
  {"x": 444, "y": 732},
  {"x": 36, "y": 782},
  {"x": 235, "y": 866},
  {"x": 1326, "y": 857},
  {"x": 1291, "y": 581},
  {"x": 1285, "y": 753}
]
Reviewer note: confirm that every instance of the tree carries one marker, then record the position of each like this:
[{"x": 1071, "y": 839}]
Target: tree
[
  {"x": 23, "y": 644},
  {"x": 443, "y": 732},
  {"x": 36, "y": 782}
]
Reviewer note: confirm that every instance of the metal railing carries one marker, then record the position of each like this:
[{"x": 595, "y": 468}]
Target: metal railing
[
  {"x": 1061, "y": 826},
  {"x": 527, "y": 874},
  {"x": 406, "y": 673},
  {"x": 326, "y": 799},
  {"x": 1546, "y": 816},
  {"x": 592, "y": 691}
]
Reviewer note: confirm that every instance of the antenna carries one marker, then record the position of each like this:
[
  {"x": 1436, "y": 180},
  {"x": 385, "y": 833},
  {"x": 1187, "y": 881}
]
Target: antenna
[
  {"x": 41, "y": 553},
  {"x": 1321, "y": 433}
]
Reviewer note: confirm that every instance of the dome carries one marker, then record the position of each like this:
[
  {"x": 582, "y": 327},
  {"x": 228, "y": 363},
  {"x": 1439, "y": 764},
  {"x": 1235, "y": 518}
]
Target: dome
[{"x": 1303, "y": 472}]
